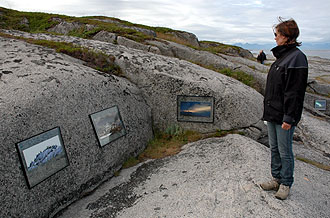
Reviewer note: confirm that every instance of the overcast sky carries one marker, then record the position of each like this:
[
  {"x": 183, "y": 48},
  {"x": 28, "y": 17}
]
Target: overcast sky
[{"x": 226, "y": 21}]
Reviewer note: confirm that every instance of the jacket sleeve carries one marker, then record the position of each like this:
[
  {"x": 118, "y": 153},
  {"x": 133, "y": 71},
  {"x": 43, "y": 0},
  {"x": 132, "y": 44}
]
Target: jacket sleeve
[{"x": 294, "y": 90}]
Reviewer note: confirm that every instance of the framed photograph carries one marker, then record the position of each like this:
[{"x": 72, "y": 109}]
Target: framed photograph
[
  {"x": 320, "y": 105},
  {"x": 195, "y": 109},
  {"x": 108, "y": 125},
  {"x": 42, "y": 156}
]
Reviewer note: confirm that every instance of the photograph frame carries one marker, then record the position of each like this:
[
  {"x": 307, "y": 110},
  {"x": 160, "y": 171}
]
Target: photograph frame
[
  {"x": 108, "y": 125},
  {"x": 320, "y": 104},
  {"x": 203, "y": 104},
  {"x": 42, "y": 156}
]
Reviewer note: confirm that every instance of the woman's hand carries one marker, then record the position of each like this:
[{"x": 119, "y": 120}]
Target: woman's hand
[{"x": 286, "y": 126}]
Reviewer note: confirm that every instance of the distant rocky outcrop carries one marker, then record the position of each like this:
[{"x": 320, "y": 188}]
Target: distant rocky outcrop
[
  {"x": 45, "y": 155},
  {"x": 227, "y": 49},
  {"x": 139, "y": 29},
  {"x": 186, "y": 38},
  {"x": 106, "y": 37}
]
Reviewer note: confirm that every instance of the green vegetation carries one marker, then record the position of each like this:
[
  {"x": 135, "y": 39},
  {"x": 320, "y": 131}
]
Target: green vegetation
[
  {"x": 314, "y": 163},
  {"x": 239, "y": 75},
  {"x": 216, "y": 47},
  {"x": 242, "y": 77},
  {"x": 252, "y": 67},
  {"x": 97, "y": 60},
  {"x": 35, "y": 22},
  {"x": 170, "y": 141},
  {"x": 236, "y": 74},
  {"x": 129, "y": 24}
]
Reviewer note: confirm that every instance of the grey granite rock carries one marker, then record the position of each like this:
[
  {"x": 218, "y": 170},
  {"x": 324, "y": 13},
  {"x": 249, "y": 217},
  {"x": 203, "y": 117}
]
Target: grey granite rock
[
  {"x": 139, "y": 29},
  {"x": 65, "y": 27},
  {"x": 311, "y": 98},
  {"x": 319, "y": 88},
  {"x": 231, "y": 50},
  {"x": 162, "y": 79},
  {"x": 188, "y": 38},
  {"x": 315, "y": 132},
  {"x": 41, "y": 89},
  {"x": 216, "y": 177},
  {"x": 219, "y": 61},
  {"x": 135, "y": 45},
  {"x": 158, "y": 80},
  {"x": 105, "y": 36}
]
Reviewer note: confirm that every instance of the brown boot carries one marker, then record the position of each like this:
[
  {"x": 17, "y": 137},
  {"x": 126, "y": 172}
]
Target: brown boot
[
  {"x": 282, "y": 192},
  {"x": 270, "y": 185}
]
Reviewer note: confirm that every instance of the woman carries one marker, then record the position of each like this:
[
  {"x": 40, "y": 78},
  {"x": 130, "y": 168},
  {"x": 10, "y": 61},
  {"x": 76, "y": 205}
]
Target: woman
[{"x": 283, "y": 104}]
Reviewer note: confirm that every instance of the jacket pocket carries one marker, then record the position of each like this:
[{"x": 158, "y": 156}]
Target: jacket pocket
[{"x": 276, "y": 105}]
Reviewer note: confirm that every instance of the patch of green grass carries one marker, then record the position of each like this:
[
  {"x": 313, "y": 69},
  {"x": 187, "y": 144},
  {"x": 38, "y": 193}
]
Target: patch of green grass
[
  {"x": 252, "y": 67},
  {"x": 129, "y": 24},
  {"x": 130, "y": 162},
  {"x": 170, "y": 141},
  {"x": 84, "y": 33},
  {"x": 242, "y": 77},
  {"x": 37, "y": 22},
  {"x": 94, "y": 59},
  {"x": 314, "y": 163},
  {"x": 165, "y": 143},
  {"x": 216, "y": 47},
  {"x": 97, "y": 60},
  {"x": 238, "y": 75},
  {"x": 41, "y": 22}
]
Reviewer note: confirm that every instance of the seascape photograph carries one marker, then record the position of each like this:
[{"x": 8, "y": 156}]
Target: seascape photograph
[
  {"x": 108, "y": 125},
  {"x": 195, "y": 108}
]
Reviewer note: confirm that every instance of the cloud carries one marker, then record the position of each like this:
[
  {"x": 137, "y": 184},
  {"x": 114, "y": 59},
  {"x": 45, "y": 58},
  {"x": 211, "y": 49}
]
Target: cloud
[{"x": 222, "y": 21}]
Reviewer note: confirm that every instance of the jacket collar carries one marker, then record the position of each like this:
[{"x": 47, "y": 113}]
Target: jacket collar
[{"x": 281, "y": 50}]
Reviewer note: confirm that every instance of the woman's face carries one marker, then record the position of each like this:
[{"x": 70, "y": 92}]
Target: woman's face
[{"x": 280, "y": 39}]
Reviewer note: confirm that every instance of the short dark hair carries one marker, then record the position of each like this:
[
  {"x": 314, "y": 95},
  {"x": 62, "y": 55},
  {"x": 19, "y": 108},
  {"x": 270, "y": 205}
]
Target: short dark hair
[{"x": 289, "y": 29}]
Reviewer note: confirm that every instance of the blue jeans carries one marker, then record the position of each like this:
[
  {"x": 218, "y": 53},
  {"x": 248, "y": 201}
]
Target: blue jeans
[{"x": 282, "y": 159}]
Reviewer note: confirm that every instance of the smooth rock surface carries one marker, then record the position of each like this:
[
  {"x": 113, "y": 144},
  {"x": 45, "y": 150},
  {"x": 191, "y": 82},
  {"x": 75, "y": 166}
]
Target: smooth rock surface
[
  {"x": 219, "y": 61},
  {"x": 162, "y": 79},
  {"x": 105, "y": 36},
  {"x": 216, "y": 177},
  {"x": 315, "y": 131},
  {"x": 311, "y": 98},
  {"x": 135, "y": 45},
  {"x": 187, "y": 37},
  {"x": 65, "y": 27},
  {"x": 40, "y": 90}
]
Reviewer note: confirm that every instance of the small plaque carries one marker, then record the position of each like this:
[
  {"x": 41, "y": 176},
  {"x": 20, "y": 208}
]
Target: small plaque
[{"x": 320, "y": 105}]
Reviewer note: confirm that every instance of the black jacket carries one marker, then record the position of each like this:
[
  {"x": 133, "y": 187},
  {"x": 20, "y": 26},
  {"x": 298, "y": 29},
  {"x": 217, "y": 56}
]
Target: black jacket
[
  {"x": 286, "y": 86},
  {"x": 261, "y": 57}
]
